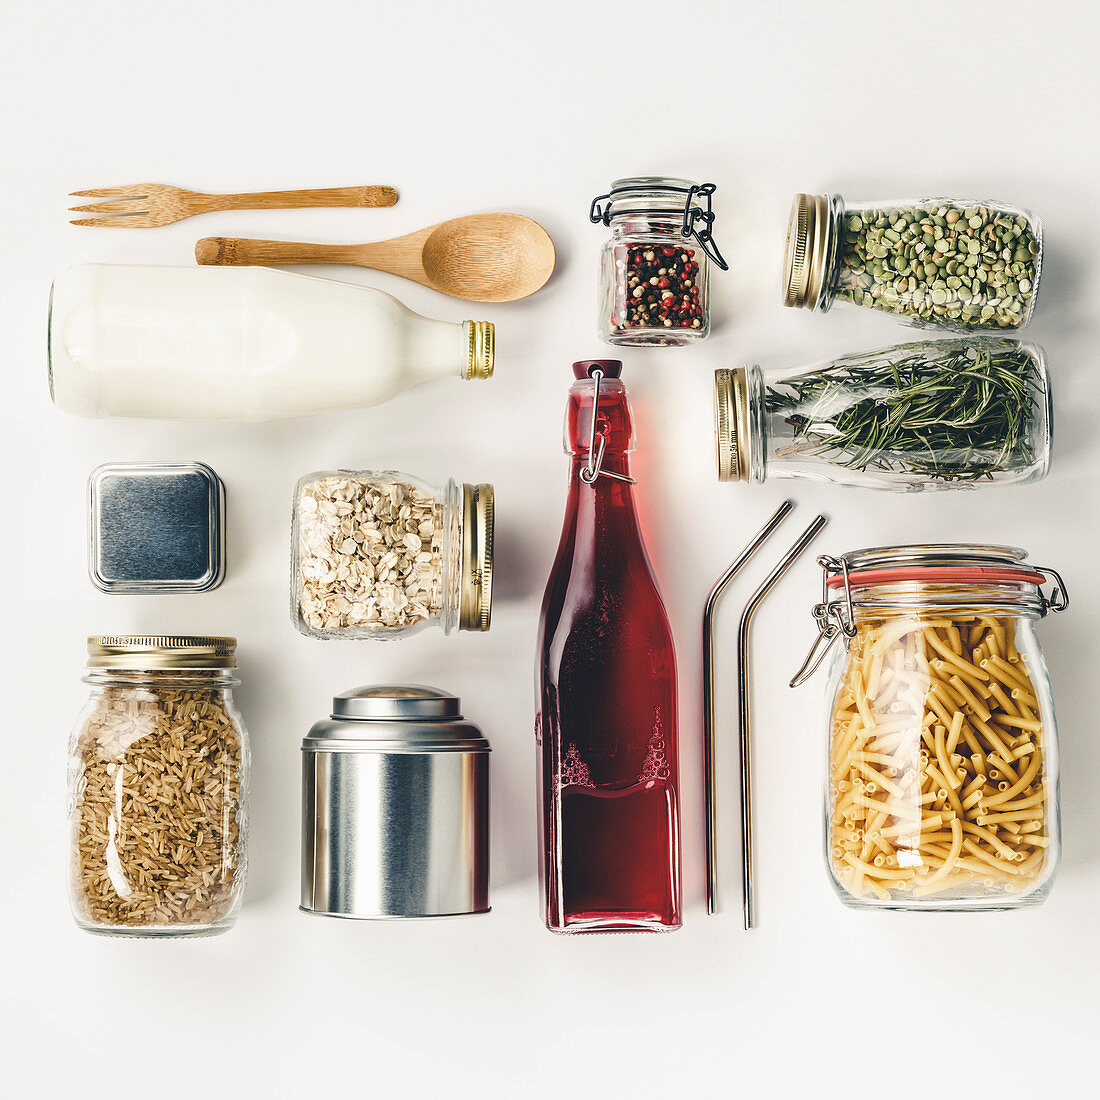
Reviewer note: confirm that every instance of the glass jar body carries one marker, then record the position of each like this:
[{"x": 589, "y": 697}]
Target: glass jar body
[
  {"x": 940, "y": 263},
  {"x": 942, "y": 771},
  {"x": 943, "y": 414},
  {"x": 158, "y": 787},
  {"x": 376, "y": 554},
  {"x": 653, "y": 279}
]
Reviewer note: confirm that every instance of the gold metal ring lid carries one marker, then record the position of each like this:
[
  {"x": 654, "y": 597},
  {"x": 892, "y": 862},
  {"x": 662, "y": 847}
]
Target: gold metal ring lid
[
  {"x": 476, "y": 604},
  {"x": 139, "y": 652},
  {"x": 731, "y": 433},
  {"x": 480, "y": 349},
  {"x": 807, "y": 251}
]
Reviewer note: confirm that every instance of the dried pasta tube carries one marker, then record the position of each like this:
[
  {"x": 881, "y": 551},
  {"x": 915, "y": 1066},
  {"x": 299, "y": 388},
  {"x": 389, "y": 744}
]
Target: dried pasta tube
[
  {"x": 946, "y": 769},
  {"x": 948, "y": 864},
  {"x": 1006, "y": 673},
  {"x": 968, "y": 696},
  {"x": 955, "y": 732},
  {"x": 1021, "y": 723}
]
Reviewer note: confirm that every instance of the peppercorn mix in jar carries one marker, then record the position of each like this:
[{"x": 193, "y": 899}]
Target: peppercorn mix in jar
[{"x": 654, "y": 268}]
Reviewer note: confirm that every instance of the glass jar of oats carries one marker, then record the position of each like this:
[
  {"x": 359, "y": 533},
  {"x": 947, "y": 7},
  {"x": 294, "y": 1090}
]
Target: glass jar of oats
[
  {"x": 378, "y": 554},
  {"x": 158, "y": 777},
  {"x": 942, "y": 772}
]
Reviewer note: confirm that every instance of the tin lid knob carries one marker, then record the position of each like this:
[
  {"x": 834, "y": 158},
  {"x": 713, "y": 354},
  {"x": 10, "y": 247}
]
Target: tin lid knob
[{"x": 395, "y": 702}]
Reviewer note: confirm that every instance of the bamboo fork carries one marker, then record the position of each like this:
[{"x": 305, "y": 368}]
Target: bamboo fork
[{"x": 146, "y": 205}]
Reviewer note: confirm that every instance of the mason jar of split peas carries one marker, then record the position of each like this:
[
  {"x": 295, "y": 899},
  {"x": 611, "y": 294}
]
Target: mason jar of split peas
[
  {"x": 935, "y": 263},
  {"x": 655, "y": 266},
  {"x": 942, "y": 766}
]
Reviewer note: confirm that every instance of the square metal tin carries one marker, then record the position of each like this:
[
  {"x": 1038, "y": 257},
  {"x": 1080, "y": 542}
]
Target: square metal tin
[{"x": 156, "y": 527}]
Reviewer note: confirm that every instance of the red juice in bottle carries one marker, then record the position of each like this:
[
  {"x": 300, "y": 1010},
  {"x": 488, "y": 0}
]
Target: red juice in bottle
[{"x": 606, "y": 728}]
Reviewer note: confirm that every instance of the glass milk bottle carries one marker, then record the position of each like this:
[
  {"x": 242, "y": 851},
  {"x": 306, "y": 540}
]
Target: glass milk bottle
[
  {"x": 247, "y": 343},
  {"x": 606, "y": 729}
]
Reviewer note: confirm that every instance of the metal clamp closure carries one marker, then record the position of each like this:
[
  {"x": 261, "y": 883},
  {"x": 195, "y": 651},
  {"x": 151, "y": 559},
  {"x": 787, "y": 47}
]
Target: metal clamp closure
[
  {"x": 1058, "y": 600},
  {"x": 594, "y": 469},
  {"x": 834, "y": 618},
  {"x": 697, "y": 221}
]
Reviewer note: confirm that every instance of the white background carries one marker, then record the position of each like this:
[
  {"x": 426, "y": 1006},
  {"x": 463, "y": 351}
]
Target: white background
[{"x": 498, "y": 106}]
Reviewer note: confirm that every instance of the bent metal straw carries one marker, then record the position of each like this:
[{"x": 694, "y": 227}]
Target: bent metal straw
[
  {"x": 711, "y": 793},
  {"x": 788, "y": 559}
]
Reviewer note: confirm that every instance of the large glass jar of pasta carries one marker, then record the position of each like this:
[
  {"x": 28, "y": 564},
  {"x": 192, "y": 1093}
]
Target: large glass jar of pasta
[
  {"x": 655, "y": 266},
  {"x": 158, "y": 777},
  {"x": 942, "y": 780},
  {"x": 944, "y": 263}
]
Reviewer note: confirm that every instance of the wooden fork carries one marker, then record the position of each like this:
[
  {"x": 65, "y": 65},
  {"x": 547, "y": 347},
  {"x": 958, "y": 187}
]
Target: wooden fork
[{"x": 147, "y": 205}]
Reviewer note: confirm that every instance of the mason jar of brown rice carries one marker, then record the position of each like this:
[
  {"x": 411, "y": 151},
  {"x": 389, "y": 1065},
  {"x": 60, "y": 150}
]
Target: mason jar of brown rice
[{"x": 158, "y": 777}]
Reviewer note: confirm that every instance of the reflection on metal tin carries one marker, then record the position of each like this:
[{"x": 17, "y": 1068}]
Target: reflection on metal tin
[{"x": 156, "y": 527}]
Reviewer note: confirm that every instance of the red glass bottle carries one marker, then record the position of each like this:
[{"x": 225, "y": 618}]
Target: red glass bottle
[{"x": 606, "y": 728}]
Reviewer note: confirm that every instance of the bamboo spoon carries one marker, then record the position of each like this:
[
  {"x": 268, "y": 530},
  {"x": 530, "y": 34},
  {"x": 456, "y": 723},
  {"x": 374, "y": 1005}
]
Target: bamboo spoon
[{"x": 480, "y": 258}]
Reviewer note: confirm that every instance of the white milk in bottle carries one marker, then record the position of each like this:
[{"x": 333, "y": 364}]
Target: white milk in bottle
[{"x": 241, "y": 343}]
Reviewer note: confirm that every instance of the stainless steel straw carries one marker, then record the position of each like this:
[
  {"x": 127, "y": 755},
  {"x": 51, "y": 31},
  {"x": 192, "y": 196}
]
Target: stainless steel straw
[
  {"x": 788, "y": 559},
  {"x": 709, "y": 770}
]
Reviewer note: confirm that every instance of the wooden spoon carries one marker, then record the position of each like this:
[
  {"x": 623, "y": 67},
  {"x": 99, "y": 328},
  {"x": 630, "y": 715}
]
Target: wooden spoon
[{"x": 481, "y": 257}]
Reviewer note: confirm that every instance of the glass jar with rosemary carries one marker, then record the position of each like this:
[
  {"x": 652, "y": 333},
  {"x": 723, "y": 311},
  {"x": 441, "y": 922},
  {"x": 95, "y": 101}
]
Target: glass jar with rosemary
[
  {"x": 942, "y": 263},
  {"x": 940, "y": 414}
]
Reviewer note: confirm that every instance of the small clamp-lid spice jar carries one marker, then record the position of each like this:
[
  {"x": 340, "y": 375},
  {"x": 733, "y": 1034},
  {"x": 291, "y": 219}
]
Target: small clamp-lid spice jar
[
  {"x": 395, "y": 807},
  {"x": 654, "y": 269},
  {"x": 158, "y": 777},
  {"x": 938, "y": 414},
  {"x": 942, "y": 782},
  {"x": 378, "y": 554},
  {"x": 945, "y": 263}
]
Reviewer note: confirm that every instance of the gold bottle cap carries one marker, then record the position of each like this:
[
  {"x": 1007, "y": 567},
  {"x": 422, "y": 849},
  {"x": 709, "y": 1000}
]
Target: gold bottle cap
[
  {"x": 731, "y": 431},
  {"x": 138, "y": 652},
  {"x": 807, "y": 252},
  {"x": 481, "y": 349},
  {"x": 477, "y": 557}
]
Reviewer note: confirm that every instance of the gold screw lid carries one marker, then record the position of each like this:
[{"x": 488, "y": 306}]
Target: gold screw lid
[
  {"x": 731, "y": 432},
  {"x": 139, "y": 652},
  {"x": 481, "y": 349},
  {"x": 808, "y": 234},
  {"x": 476, "y": 605}
]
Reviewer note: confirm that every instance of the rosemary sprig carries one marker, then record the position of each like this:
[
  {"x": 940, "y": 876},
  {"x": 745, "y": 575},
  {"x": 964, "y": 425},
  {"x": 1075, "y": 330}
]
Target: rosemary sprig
[{"x": 950, "y": 410}]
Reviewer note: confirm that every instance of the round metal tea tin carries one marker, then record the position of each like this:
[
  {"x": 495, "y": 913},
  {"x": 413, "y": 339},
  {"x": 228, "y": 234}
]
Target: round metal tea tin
[{"x": 395, "y": 807}]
